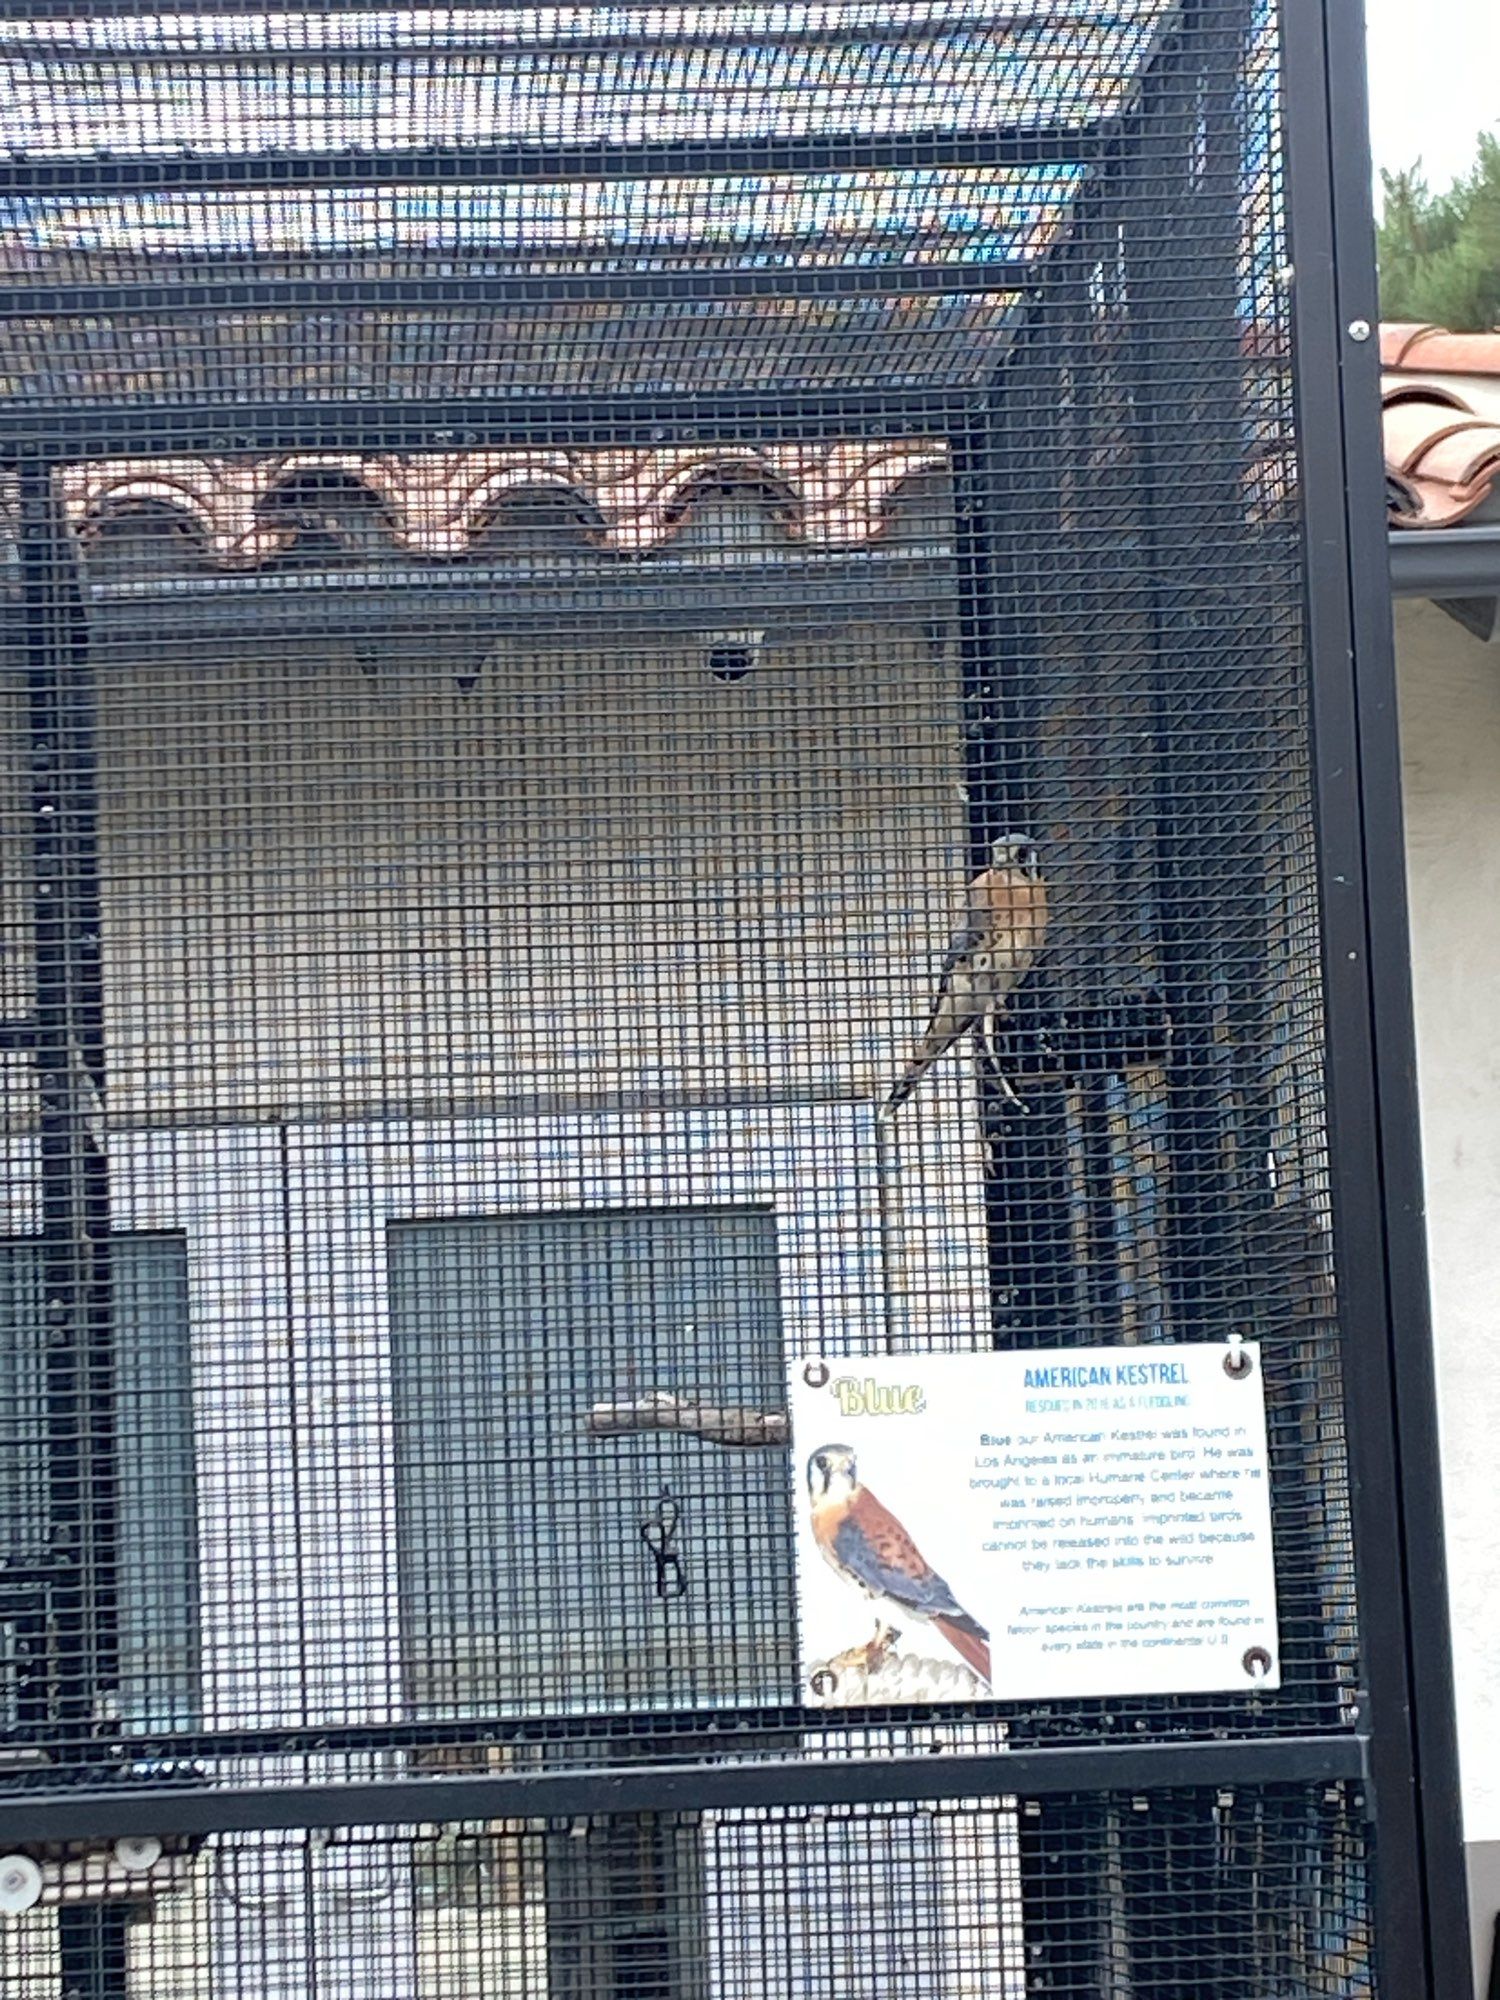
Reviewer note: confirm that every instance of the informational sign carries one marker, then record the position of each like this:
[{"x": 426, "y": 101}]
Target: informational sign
[{"x": 1013, "y": 1526}]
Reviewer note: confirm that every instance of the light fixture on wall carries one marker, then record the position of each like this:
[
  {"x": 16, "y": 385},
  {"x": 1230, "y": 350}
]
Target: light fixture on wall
[{"x": 729, "y": 656}]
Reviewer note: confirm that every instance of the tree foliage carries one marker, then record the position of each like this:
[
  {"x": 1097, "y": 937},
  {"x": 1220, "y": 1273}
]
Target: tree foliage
[{"x": 1440, "y": 253}]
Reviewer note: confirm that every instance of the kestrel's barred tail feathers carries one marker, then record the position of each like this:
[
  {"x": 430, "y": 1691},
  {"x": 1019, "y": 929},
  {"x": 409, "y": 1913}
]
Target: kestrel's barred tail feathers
[
  {"x": 947, "y": 1023},
  {"x": 916, "y": 1069},
  {"x": 969, "y": 1640}
]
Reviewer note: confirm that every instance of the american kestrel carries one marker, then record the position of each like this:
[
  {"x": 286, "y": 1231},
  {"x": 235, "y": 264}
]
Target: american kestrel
[
  {"x": 986, "y": 962},
  {"x": 869, "y": 1548}
]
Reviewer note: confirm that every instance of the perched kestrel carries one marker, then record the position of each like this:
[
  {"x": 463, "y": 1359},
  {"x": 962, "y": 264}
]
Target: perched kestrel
[
  {"x": 869, "y": 1548},
  {"x": 986, "y": 962}
]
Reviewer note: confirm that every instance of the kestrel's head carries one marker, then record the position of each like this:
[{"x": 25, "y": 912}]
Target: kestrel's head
[
  {"x": 1014, "y": 850},
  {"x": 831, "y": 1473}
]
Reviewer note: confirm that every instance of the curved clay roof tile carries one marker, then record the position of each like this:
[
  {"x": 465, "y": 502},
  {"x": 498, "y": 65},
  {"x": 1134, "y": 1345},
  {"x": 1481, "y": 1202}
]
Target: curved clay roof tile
[
  {"x": 1432, "y": 350},
  {"x": 1442, "y": 453}
]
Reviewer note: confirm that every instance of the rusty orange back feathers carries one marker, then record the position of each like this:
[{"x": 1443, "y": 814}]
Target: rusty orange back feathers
[
  {"x": 890, "y": 1544},
  {"x": 1005, "y": 928},
  {"x": 864, "y": 1542}
]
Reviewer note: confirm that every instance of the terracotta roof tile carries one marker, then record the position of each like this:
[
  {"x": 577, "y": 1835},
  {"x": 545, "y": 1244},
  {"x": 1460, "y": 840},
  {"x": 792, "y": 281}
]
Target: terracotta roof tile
[
  {"x": 1441, "y": 412},
  {"x": 1440, "y": 397},
  {"x": 437, "y": 504},
  {"x": 1432, "y": 350}
]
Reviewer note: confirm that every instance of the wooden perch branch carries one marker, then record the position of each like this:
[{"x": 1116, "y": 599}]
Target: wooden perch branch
[{"x": 739, "y": 1428}]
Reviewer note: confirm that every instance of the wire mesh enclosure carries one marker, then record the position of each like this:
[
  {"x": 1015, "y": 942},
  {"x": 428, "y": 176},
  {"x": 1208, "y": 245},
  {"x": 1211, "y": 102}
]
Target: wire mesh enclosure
[{"x": 546, "y": 549}]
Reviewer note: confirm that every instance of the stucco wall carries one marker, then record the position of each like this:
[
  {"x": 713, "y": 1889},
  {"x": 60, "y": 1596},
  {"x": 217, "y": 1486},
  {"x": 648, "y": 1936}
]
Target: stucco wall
[{"x": 1450, "y": 720}]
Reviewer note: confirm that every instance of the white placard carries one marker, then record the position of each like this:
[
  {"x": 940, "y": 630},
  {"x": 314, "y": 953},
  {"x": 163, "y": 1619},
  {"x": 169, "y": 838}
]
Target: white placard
[{"x": 1074, "y": 1522}]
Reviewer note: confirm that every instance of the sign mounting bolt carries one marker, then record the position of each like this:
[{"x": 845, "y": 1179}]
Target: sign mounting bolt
[{"x": 1359, "y": 329}]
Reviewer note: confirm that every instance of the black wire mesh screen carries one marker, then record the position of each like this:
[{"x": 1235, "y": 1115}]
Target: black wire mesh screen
[
  {"x": 544, "y": 547},
  {"x": 1249, "y": 1891}
]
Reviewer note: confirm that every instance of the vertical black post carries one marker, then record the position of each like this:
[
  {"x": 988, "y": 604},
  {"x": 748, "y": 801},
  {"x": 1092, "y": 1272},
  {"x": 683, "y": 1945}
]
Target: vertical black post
[
  {"x": 1026, "y": 1179},
  {"x": 1181, "y": 181},
  {"x": 1183, "y": 177},
  {"x": 1013, "y": 468},
  {"x": 1422, "y": 1932},
  {"x": 626, "y": 1909},
  {"x": 73, "y": 1188}
]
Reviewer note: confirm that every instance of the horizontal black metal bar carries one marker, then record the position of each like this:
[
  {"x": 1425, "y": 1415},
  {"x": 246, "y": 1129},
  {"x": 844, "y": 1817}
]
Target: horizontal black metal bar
[
  {"x": 586, "y": 1737},
  {"x": 128, "y": 10},
  {"x": 316, "y": 1110},
  {"x": 307, "y": 51},
  {"x": 110, "y": 176},
  {"x": 743, "y": 32},
  {"x": 511, "y": 288},
  {"x": 109, "y": 1813},
  {"x": 1445, "y": 562},
  {"x": 85, "y": 429},
  {"x": 602, "y": 578},
  {"x": 796, "y": 597}
]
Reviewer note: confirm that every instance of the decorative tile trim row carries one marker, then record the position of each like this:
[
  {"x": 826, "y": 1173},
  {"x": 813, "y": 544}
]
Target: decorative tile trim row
[{"x": 435, "y": 504}]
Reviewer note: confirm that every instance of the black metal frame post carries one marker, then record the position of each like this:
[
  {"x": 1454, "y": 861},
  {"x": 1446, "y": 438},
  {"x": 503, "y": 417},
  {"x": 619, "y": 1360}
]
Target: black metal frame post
[
  {"x": 82, "y": 1645},
  {"x": 1026, "y": 1176},
  {"x": 1088, "y": 1909},
  {"x": 1422, "y": 1928},
  {"x": 1237, "y": 1260},
  {"x": 1164, "y": 266},
  {"x": 1027, "y": 1181}
]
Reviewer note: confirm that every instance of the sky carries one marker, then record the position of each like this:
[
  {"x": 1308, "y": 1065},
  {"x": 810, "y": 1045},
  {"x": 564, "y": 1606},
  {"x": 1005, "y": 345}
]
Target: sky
[{"x": 1434, "y": 82}]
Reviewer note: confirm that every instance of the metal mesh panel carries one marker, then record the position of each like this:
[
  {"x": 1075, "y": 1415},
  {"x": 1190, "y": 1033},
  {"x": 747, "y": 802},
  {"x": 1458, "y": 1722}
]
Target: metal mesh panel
[
  {"x": 1231, "y": 1893},
  {"x": 542, "y": 550}
]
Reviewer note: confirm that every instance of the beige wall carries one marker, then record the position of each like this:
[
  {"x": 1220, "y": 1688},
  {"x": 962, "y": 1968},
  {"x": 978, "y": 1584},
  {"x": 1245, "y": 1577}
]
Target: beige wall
[
  {"x": 1450, "y": 721},
  {"x": 596, "y": 876}
]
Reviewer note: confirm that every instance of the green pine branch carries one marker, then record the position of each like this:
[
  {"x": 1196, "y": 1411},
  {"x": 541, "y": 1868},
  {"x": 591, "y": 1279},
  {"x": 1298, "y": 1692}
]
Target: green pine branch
[{"x": 1440, "y": 253}]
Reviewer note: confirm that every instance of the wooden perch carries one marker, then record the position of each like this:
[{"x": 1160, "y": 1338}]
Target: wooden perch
[{"x": 740, "y": 1429}]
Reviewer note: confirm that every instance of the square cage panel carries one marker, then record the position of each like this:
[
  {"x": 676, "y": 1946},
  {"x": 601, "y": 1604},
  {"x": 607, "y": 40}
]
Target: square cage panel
[
  {"x": 567, "y": 576},
  {"x": 802, "y": 262},
  {"x": 156, "y": 1597},
  {"x": 528, "y": 1581}
]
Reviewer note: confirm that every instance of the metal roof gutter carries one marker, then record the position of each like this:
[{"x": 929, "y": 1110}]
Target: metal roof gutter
[{"x": 1445, "y": 562}]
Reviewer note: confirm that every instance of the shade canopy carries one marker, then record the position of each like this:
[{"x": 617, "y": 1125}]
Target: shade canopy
[{"x": 534, "y": 205}]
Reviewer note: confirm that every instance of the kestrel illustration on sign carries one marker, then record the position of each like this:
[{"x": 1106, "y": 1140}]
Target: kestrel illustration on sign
[{"x": 868, "y": 1547}]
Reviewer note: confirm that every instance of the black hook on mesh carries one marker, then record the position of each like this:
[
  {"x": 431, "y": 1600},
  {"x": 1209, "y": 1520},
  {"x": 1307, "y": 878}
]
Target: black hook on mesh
[{"x": 659, "y": 1533}]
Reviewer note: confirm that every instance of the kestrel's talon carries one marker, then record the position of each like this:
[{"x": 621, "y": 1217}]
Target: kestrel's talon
[
  {"x": 881, "y": 1646},
  {"x": 988, "y": 1062}
]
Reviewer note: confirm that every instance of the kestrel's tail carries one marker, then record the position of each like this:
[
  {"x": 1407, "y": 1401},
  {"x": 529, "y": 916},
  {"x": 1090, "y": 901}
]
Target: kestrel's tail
[
  {"x": 934, "y": 1044},
  {"x": 916, "y": 1069},
  {"x": 969, "y": 1639}
]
